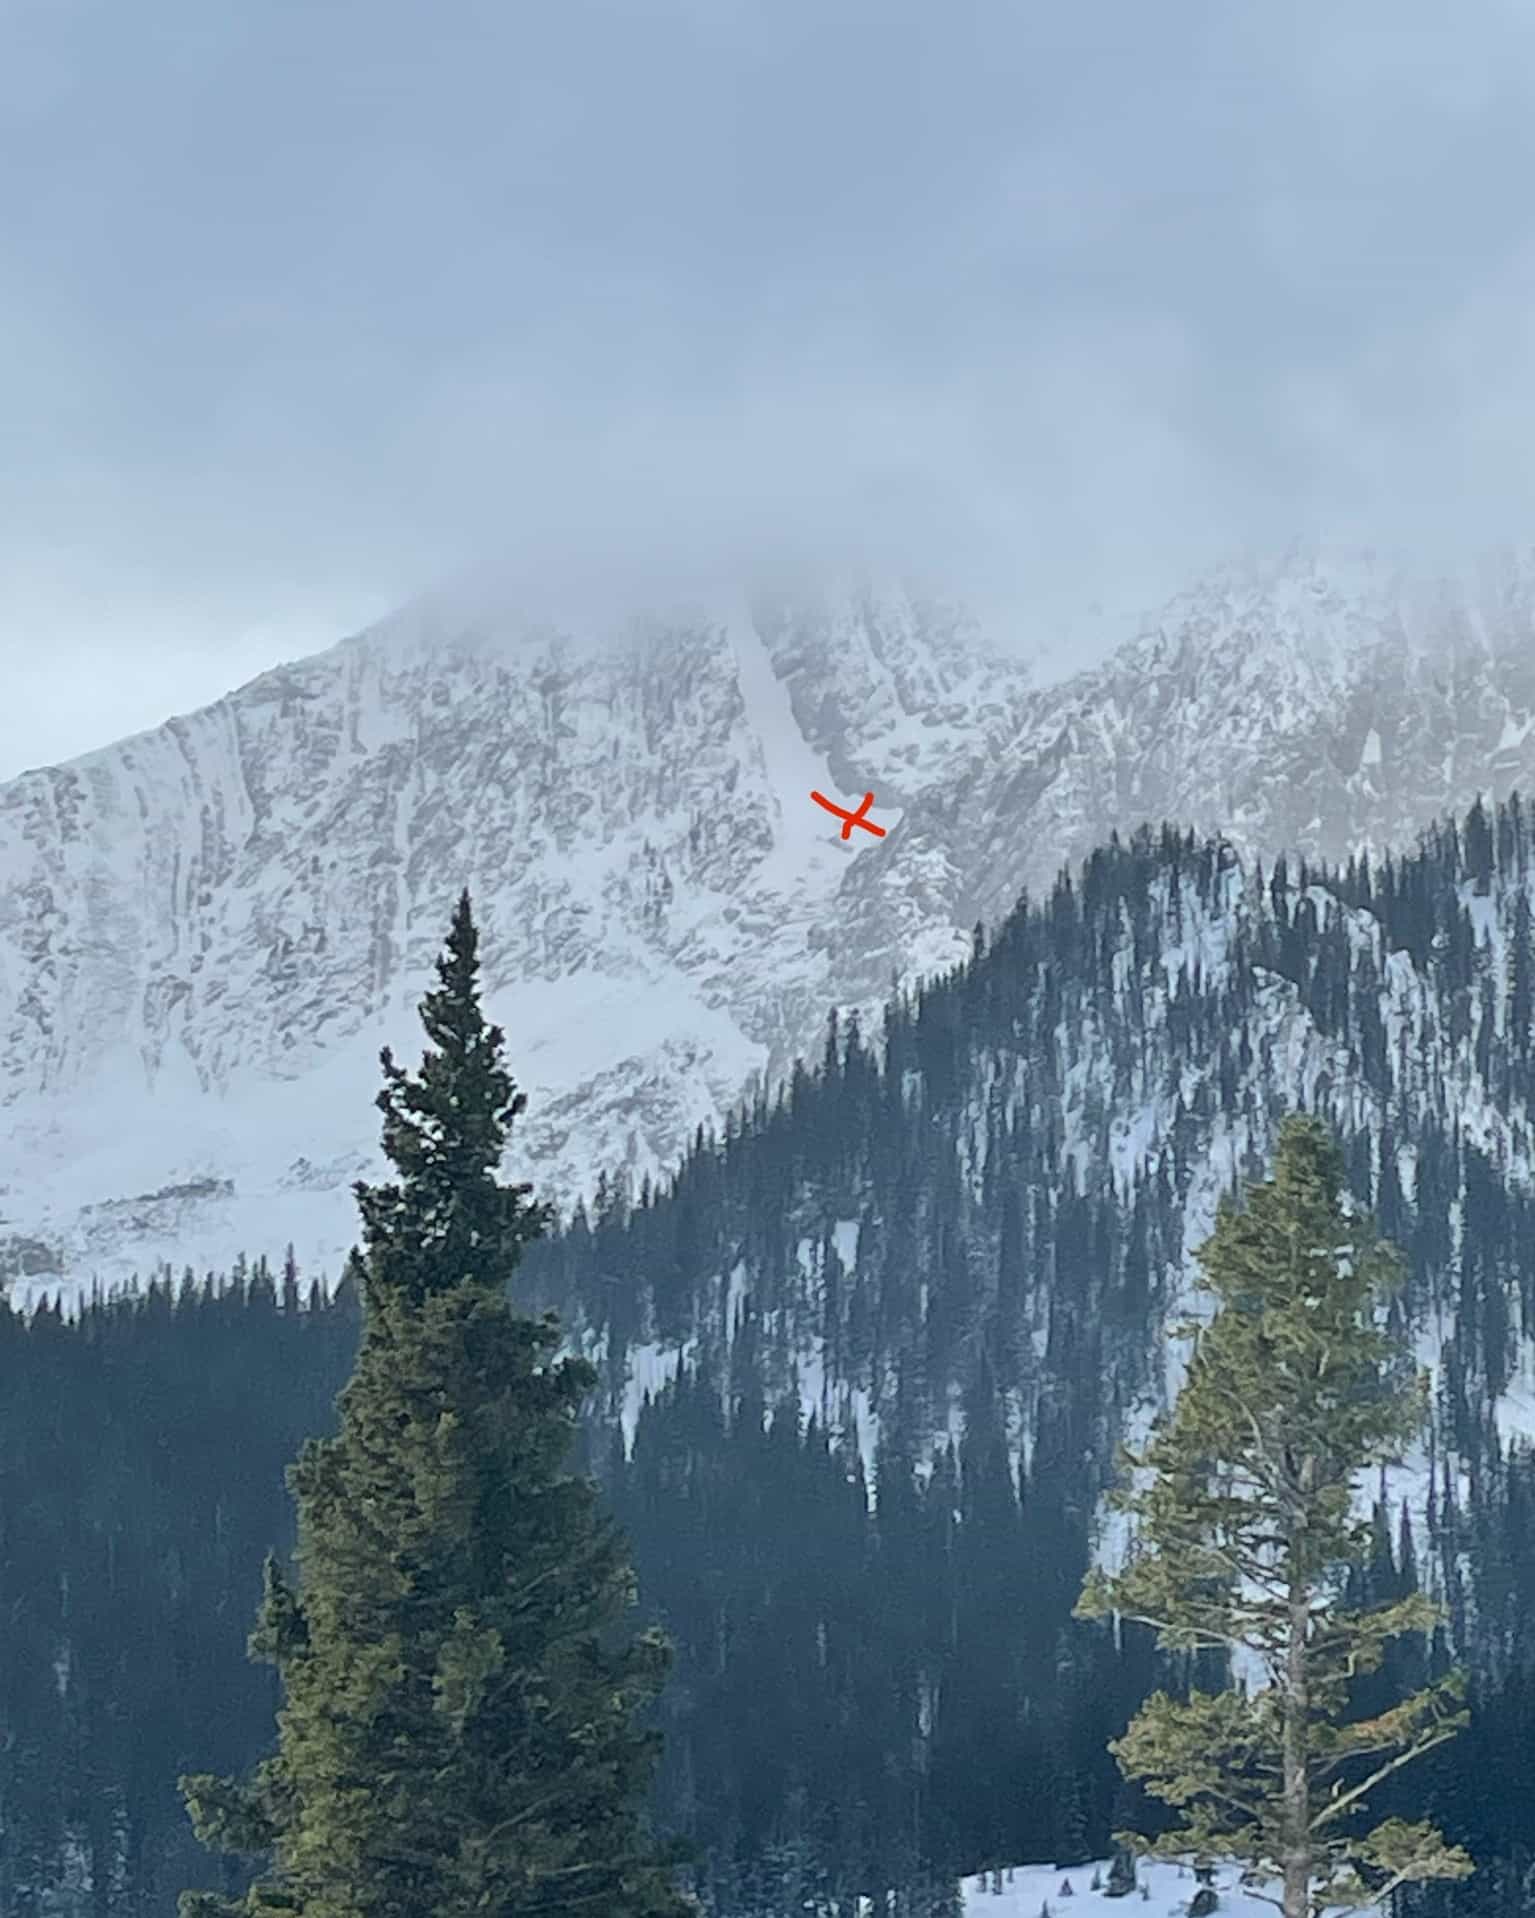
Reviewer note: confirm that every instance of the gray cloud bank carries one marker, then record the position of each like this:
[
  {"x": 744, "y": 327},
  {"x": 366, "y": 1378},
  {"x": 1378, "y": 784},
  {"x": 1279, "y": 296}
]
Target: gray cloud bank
[{"x": 304, "y": 303}]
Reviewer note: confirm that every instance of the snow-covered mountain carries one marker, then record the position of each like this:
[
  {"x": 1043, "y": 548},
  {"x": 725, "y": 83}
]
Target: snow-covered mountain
[{"x": 207, "y": 931}]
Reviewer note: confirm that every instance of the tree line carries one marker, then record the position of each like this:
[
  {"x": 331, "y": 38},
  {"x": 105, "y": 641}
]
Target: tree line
[{"x": 933, "y": 1705}]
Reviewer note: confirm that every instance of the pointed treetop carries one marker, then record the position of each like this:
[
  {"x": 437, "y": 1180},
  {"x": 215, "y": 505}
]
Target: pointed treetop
[
  {"x": 447, "y": 1218},
  {"x": 1308, "y": 1158}
]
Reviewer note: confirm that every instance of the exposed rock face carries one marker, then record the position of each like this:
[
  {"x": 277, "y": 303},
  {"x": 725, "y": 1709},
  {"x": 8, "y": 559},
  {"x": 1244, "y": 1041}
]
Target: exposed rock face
[{"x": 207, "y": 931}]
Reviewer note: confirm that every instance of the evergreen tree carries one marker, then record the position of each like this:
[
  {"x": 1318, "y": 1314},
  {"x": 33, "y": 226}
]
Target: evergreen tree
[
  {"x": 1122, "y": 1879},
  {"x": 1247, "y": 1534},
  {"x": 1478, "y": 848},
  {"x": 456, "y": 1731}
]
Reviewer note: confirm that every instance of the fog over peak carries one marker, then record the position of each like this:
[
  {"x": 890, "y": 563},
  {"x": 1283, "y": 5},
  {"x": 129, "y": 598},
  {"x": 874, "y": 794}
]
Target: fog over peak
[{"x": 304, "y": 307}]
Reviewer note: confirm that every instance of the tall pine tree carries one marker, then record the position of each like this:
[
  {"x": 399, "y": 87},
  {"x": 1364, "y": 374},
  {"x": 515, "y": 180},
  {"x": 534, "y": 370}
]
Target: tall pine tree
[
  {"x": 1248, "y": 1531},
  {"x": 456, "y": 1734}
]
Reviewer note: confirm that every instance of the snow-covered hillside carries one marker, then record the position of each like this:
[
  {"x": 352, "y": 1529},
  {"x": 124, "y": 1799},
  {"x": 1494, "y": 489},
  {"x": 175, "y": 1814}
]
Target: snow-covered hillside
[{"x": 207, "y": 931}]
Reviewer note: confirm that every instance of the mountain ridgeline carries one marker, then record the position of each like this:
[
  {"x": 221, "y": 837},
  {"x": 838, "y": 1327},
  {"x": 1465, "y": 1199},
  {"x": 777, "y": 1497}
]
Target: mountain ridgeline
[
  {"x": 208, "y": 931},
  {"x": 995, "y": 1195},
  {"x": 864, "y": 1359},
  {"x": 952, "y": 1254}
]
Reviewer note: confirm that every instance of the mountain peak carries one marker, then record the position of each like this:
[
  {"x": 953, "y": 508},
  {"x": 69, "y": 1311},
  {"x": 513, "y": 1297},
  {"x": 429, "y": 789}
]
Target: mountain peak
[{"x": 206, "y": 932}]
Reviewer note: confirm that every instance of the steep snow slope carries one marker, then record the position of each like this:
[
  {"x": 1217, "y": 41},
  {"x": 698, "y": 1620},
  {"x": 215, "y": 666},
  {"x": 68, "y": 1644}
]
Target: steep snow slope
[{"x": 207, "y": 931}]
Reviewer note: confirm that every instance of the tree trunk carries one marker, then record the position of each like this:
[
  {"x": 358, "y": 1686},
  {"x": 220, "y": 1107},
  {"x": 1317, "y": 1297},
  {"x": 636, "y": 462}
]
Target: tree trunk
[{"x": 1297, "y": 1794}]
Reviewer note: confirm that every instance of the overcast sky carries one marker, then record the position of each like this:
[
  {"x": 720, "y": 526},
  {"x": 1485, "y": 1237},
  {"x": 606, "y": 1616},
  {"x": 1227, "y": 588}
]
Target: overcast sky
[{"x": 305, "y": 303}]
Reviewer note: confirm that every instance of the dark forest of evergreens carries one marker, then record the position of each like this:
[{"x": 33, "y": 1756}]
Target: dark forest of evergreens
[
  {"x": 144, "y": 1444},
  {"x": 878, "y": 1679}
]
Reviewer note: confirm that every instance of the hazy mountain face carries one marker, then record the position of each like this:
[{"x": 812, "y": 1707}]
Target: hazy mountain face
[{"x": 207, "y": 931}]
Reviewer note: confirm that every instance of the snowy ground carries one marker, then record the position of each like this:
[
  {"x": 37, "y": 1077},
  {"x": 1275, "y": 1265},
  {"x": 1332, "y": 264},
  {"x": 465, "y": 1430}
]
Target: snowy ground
[{"x": 1026, "y": 1889}]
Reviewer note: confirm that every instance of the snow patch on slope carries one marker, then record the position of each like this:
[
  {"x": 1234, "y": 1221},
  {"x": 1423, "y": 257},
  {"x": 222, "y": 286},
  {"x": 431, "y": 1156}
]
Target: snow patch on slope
[{"x": 808, "y": 852}]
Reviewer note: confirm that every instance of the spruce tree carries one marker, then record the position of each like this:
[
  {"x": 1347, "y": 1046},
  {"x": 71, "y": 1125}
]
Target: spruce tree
[
  {"x": 1247, "y": 1533},
  {"x": 456, "y": 1731}
]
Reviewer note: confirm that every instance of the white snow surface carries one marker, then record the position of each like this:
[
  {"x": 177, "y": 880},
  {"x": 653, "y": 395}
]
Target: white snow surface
[
  {"x": 1027, "y": 1889},
  {"x": 207, "y": 931}
]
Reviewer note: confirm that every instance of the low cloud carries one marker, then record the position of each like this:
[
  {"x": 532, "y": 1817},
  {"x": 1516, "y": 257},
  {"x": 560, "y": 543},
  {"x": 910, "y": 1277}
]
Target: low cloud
[{"x": 306, "y": 306}]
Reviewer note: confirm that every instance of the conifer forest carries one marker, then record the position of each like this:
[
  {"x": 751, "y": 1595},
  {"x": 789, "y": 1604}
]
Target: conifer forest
[
  {"x": 848, "y": 1390},
  {"x": 767, "y": 959}
]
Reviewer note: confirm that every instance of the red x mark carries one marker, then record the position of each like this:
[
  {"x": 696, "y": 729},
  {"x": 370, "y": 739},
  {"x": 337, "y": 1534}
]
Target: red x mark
[{"x": 852, "y": 819}]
